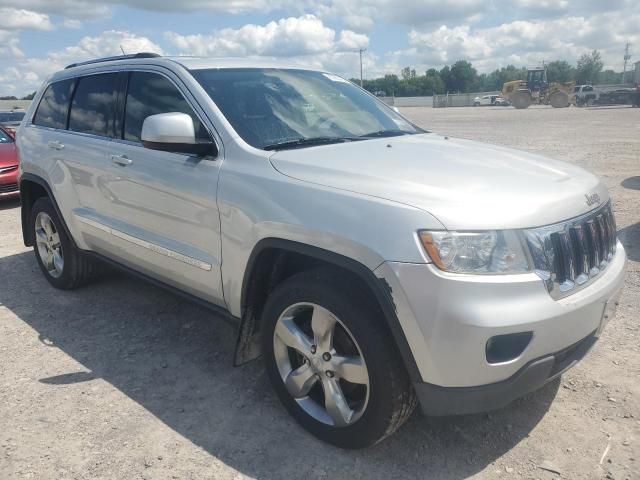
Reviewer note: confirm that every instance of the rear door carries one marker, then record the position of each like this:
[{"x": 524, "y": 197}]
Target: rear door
[
  {"x": 160, "y": 206},
  {"x": 87, "y": 144}
]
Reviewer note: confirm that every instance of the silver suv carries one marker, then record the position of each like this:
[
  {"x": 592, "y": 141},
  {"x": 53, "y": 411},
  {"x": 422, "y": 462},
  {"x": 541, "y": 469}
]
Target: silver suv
[{"x": 371, "y": 264}]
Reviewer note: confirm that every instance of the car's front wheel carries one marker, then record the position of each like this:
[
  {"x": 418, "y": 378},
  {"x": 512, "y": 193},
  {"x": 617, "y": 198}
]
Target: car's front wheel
[
  {"x": 63, "y": 265},
  {"x": 331, "y": 361}
]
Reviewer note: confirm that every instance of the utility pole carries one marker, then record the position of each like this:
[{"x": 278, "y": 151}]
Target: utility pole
[
  {"x": 362, "y": 50},
  {"x": 627, "y": 57}
]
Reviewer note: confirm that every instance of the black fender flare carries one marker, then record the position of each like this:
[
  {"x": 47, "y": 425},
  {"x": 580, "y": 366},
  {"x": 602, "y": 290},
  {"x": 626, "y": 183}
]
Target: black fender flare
[{"x": 380, "y": 289}]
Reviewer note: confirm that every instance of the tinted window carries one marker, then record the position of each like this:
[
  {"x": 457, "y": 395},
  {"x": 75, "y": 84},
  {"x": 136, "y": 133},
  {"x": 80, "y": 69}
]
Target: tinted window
[
  {"x": 93, "y": 105},
  {"x": 54, "y": 106},
  {"x": 5, "y": 137},
  {"x": 150, "y": 94}
]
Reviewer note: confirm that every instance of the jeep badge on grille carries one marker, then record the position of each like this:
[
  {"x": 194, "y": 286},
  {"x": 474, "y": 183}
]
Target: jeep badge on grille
[{"x": 592, "y": 199}]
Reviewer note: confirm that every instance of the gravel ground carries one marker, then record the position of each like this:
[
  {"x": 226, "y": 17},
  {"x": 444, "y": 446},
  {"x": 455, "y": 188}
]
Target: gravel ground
[{"x": 122, "y": 380}]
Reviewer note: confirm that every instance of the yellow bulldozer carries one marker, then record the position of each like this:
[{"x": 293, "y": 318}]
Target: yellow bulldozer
[{"x": 537, "y": 90}]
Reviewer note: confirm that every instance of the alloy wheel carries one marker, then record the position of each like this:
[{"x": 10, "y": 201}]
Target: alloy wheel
[
  {"x": 49, "y": 246},
  {"x": 321, "y": 364}
]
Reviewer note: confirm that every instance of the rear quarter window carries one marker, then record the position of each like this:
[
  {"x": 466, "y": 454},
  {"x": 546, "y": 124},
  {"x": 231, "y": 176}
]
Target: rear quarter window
[{"x": 54, "y": 106}]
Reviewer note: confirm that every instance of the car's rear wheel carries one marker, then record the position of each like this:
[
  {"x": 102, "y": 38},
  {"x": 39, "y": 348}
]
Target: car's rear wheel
[
  {"x": 331, "y": 362},
  {"x": 63, "y": 265}
]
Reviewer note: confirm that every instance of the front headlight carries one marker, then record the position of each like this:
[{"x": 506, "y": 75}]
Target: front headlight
[{"x": 488, "y": 252}]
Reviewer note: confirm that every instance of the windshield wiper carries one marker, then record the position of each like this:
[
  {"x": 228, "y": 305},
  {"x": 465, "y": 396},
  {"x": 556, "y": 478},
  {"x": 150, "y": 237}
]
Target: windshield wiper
[
  {"x": 385, "y": 133},
  {"x": 308, "y": 142}
]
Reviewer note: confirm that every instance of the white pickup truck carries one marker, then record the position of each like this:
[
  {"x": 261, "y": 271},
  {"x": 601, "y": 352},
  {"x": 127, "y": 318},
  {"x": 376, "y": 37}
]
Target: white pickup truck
[{"x": 586, "y": 95}]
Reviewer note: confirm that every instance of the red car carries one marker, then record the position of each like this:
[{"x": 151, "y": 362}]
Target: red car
[{"x": 8, "y": 166}]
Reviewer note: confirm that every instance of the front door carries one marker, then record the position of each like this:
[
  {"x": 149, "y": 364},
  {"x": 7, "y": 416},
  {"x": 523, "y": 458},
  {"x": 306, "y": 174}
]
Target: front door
[{"x": 162, "y": 210}]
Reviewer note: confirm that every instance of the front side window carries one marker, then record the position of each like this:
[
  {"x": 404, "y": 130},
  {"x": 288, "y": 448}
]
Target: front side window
[
  {"x": 54, "y": 106},
  {"x": 93, "y": 105},
  {"x": 151, "y": 94},
  {"x": 269, "y": 107}
]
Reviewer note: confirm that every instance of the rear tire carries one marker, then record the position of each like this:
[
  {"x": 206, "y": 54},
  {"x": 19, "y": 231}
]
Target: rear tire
[
  {"x": 63, "y": 265},
  {"x": 378, "y": 396}
]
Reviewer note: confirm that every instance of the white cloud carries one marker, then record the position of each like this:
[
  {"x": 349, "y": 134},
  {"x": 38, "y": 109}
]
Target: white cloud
[
  {"x": 10, "y": 48},
  {"x": 30, "y": 73},
  {"x": 288, "y": 37},
  {"x": 20, "y": 19},
  {"x": 72, "y": 23},
  {"x": 302, "y": 40},
  {"x": 328, "y": 33},
  {"x": 82, "y": 9},
  {"x": 525, "y": 42},
  {"x": 352, "y": 41}
]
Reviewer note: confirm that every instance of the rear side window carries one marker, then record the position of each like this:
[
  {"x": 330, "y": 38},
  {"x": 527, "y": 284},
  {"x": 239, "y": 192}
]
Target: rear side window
[
  {"x": 54, "y": 106},
  {"x": 93, "y": 105},
  {"x": 150, "y": 94}
]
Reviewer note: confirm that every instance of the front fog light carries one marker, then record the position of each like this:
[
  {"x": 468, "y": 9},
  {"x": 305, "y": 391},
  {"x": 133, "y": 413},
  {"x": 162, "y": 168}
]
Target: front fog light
[{"x": 476, "y": 252}]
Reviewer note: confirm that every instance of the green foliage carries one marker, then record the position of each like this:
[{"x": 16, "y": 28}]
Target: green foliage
[
  {"x": 29, "y": 97},
  {"x": 494, "y": 80},
  {"x": 560, "y": 71},
  {"x": 461, "y": 77},
  {"x": 589, "y": 67},
  {"x": 609, "y": 77}
]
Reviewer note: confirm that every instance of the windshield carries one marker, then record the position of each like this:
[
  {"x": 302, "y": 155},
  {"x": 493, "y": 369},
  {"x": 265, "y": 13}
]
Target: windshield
[
  {"x": 11, "y": 116},
  {"x": 273, "y": 107}
]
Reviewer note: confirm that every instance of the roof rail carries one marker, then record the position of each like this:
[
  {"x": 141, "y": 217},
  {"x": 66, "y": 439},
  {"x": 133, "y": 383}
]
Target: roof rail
[{"x": 116, "y": 57}]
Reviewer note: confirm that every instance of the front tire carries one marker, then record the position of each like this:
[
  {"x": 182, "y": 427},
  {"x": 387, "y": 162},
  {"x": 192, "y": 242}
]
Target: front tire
[
  {"x": 331, "y": 361},
  {"x": 63, "y": 265}
]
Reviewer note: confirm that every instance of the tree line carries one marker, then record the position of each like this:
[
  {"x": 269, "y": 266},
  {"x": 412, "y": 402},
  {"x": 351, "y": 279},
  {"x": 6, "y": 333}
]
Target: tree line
[
  {"x": 12, "y": 97},
  {"x": 462, "y": 77}
]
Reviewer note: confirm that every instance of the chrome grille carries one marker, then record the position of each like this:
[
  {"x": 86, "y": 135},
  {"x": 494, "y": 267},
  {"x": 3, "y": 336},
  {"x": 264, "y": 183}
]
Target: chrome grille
[
  {"x": 10, "y": 188},
  {"x": 568, "y": 255}
]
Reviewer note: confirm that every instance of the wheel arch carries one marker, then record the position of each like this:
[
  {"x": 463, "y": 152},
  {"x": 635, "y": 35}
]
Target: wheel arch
[
  {"x": 33, "y": 187},
  {"x": 269, "y": 264}
]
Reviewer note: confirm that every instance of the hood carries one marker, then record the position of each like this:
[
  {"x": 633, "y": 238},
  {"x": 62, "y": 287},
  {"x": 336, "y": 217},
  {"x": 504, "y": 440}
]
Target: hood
[
  {"x": 466, "y": 185},
  {"x": 8, "y": 155}
]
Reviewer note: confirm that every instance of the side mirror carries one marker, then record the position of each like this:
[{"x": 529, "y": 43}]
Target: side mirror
[{"x": 174, "y": 132}]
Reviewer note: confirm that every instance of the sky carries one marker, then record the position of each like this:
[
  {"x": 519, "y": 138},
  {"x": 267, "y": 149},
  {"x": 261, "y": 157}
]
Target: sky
[{"x": 38, "y": 37}]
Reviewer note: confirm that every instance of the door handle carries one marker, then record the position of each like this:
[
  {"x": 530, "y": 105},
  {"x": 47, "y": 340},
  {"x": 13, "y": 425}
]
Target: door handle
[
  {"x": 55, "y": 145},
  {"x": 121, "y": 160}
]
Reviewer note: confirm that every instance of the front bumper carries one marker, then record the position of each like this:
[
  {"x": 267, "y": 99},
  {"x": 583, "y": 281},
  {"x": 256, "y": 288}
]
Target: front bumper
[
  {"x": 448, "y": 319},
  {"x": 9, "y": 184},
  {"x": 439, "y": 401}
]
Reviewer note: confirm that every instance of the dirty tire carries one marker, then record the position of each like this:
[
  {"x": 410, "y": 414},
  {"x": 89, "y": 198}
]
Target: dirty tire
[
  {"x": 78, "y": 269},
  {"x": 559, "y": 100},
  {"x": 521, "y": 99},
  {"x": 391, "y": 397}
]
